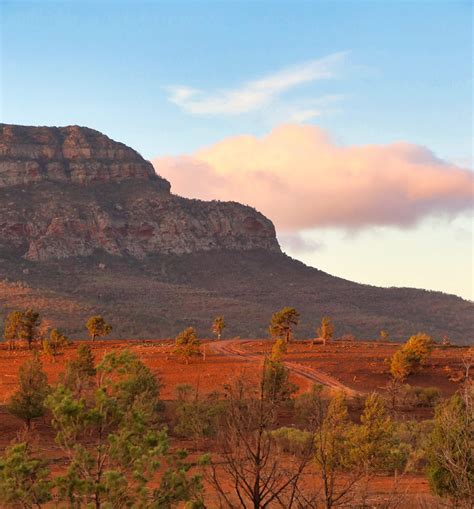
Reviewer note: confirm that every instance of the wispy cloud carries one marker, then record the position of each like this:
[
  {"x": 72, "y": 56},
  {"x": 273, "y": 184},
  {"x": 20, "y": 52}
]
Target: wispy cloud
[{"x": 256, "y": 94}]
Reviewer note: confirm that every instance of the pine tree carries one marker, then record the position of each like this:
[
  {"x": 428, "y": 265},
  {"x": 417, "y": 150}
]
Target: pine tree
[
  {"x": 114, "y": 442},
  {"x": 28, "y": 402},
  {"x": 283, "y": 323},
  {"x": 25, "y": 479},
  {"x": 80, "y": 371},
  {"x": 450, "y": 449}
]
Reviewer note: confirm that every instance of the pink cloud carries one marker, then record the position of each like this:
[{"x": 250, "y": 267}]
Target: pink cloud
[{"x": 300, "y": 178}]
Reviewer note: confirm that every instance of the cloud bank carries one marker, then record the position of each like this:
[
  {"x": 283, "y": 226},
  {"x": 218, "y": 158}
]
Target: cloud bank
[
  {"x": 301, "y": 179},
  {"x": 255, "y": 94}
]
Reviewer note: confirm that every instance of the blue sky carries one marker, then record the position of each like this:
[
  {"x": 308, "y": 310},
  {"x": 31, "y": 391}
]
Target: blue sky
[{"x": 403, "y": 73}]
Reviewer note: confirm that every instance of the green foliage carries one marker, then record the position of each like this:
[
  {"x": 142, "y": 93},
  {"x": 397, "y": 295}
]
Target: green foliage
[
  {"x": 292, "y": 440},
  {"x": 326, "y": 329},
  {"x": 79, "y": 371},
  {"x": 411, "y": 356},
  {"x": 27, "y": 403},
  {"x": 24, "y": 479},
  {"x": 283, "y": 322},
  {"x": 374, "y": 443},
  {"x": 218, "y": 326},
  {"x": 418, "y": 349},
  {"x": 276, "y": 382},
  {"x": 400, "y": 366},
  {"x": 450, "y": 449},
  {"x": 98, "y": 327},
  {"x": 56, "y": 342},
  {"x": 196, "y": 418},
  {"x": 307, "y": 406},
  {"x": 187, "y": 344},
  {"x": 22, "y": 325},
  {"x": 113, "y": 440},
  {"x": 420, "y": 396},
  {"x": 278, "y": 350}
]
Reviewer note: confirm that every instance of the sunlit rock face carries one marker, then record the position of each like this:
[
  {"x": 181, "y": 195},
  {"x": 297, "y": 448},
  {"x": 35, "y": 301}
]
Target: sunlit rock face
[
  {"x": 73, "y": 154},
  {"x": 72, "y": 191}
]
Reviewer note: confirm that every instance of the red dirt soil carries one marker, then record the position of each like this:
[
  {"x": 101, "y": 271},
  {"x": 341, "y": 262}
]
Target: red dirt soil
[{"x": 360, "y": 366}]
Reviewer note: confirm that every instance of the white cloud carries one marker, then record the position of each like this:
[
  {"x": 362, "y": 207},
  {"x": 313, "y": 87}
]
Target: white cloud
[
  {"x": 297, "y": 243},
  {"x": 301, "y": 179},
  {"x": 255, "y": 94}
]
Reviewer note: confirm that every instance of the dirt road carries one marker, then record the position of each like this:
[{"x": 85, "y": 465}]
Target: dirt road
[{"x": 233, "y": 348}]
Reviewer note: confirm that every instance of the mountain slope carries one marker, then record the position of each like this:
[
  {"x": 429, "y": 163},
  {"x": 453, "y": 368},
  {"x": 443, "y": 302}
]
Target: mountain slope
[{"x": 87, "y": 227}]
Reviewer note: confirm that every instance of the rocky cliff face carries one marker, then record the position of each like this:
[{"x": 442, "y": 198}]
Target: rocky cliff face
[{"x": 72, "y": 191}]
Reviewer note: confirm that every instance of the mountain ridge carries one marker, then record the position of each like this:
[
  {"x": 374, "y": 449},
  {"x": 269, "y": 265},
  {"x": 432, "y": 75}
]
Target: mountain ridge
[{"x": 103, "y": 235}]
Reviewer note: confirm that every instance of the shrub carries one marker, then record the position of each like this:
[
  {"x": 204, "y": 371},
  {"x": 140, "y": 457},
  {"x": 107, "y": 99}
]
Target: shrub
[
  {"x": 418, "y": 349},
  {"x": 411, "y": 356},
  {"x": 400, "y": 366},
  {"x": 195, "y": 417},
  {"x": 420, "y": 396},
  {"x": 187, "y": 344},
  {"x": 292, "y": 440}
]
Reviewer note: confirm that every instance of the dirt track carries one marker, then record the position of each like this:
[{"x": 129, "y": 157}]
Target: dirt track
[{"x": 231, "y": 349}]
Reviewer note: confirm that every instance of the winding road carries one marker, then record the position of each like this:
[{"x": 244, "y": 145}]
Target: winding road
[{"x": 230, "y": 348}]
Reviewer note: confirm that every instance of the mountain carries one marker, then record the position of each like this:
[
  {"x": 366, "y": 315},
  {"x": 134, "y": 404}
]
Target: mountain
[{"x": 86, "y": 226}]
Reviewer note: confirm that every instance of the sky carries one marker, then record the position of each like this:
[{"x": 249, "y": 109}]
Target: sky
[{"x": 348, "y": 123}]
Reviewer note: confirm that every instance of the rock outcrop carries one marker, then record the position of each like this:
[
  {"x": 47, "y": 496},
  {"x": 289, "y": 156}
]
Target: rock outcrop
[
  {"x": 72, "y": 191},
  {"x": 73, "y": 154}
]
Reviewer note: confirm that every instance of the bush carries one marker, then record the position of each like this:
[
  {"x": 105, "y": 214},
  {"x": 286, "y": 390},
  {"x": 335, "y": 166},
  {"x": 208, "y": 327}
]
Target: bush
[
  {"x": 187, "y": 344},
  {"x": 411, "y": 356},
  {"x": 420, "y": 396},
  {"x": 195, "y": 417},
  {"x": 292, "y": 440}
]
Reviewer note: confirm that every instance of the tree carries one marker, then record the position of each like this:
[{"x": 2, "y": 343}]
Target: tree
[
  {"x": 187, "y": 344},
  {"x": 383, "y": 335},
  {"x": 411, "y": 356},
  {"x": 24, "y": 479},
  {"x": 332, "y": 454},
  {"x": 22, "y": 325},
  {"x": 276, "y": 381},
  {"x": 80, "y": 372},
  {"x": 13, "y": 324},
  {"x": 196, "y": 417},
  {"x": 252, "y": 472},
  {"x": 400, "y": 366},
  {"x": 418, "y": 349},
  {"x": 114, "y": 442},
  {"x": 374, "y": 443},
  {"x": 98, "y": 327},
  {"x": 450, "y": 450},
  {"x": 27, "y": 403},
  {"x": 283, "y": 322},
  {"x": 218, "y": 326},
  {"x": 278, "y": 350},
  {"x": 55, "y": 343},
  {"x": 326, "y": 329}
]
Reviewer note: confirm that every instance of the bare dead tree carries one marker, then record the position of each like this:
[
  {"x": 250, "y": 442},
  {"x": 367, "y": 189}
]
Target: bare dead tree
[{"x": 260, "y": 475}]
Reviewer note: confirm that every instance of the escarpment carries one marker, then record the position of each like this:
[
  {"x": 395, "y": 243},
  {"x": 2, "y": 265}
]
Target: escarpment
[{"x": 72, "y": 191}]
